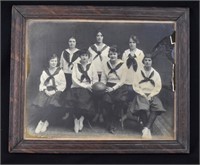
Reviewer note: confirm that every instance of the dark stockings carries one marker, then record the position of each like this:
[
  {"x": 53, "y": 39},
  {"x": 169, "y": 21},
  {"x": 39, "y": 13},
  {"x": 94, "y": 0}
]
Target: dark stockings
[
  {"x": 143, "y": 117},
  {"x": 148, "y": 121},
  {"x": 114, "y": 113},
  {"x": 45, "y": 114},
  {"x": 78, "y": 112},
  {"x": 151, "y": 120},
  {"x": 50, "y": 113},
  {"x": 109, "y": 115}
]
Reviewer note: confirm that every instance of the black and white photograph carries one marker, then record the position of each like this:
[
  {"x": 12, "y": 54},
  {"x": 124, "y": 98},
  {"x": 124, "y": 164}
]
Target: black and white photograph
[{"x": 100, "y": 80}]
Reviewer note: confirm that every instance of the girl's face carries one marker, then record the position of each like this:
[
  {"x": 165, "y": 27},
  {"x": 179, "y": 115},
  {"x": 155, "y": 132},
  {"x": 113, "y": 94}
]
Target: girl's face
[
  {"x": 84, "y": 58},
  {"x": 113, "y": 56},
  {"x": 132, "y": 44},
  {"x": 72, "y": 43},
  {"x": 99, "y": 37},
  {"x": 53, "y": 62},
  {"x": 147, "y": 62}
]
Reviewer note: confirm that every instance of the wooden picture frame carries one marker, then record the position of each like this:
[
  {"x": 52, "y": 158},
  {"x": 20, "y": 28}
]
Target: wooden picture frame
[{"x": 20, "y": 17}]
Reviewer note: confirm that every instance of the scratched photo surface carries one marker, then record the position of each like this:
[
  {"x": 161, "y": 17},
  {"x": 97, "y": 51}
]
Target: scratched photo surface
[{"x": 47, "y": 37}]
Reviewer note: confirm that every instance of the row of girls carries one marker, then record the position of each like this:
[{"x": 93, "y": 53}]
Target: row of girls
[{"x": 131, "y": 83}]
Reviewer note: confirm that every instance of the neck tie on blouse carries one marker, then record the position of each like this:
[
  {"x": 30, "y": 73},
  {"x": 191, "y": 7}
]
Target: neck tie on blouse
[
  {"x": 132, "y": 62},
  {"x": 51, "y": 77},
  {"x": 98, "y": 52},
  {"x": 84, "y": 73},
  {"x": 146, "y": 79},
  {"x": 113, "y": 70},
  {"x": 66, "y": 56}
]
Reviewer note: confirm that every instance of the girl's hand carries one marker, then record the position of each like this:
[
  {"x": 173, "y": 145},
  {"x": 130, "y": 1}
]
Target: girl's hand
[
  {"x": 149, "y": 98},
  {"x": 50, "y": 93},
  {"x": 145, "y": 96},
  {"x": 46, "y": 92},
  {"x": 109, "y": 89},
  {"x": 89, "y": 87}
]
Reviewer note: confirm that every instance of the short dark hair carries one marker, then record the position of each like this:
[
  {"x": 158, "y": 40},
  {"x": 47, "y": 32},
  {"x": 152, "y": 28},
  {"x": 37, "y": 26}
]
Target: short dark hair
[
  {"x": 52, "y": 57},
  {"x": 99, "y": 32},
  {"x": 134, "y": 38},
  {"x": 113, "y": 48},
  {"x": 147, "y": 55},
  {"x": 72, "y": 37},
  {"x": 84, "y": 51}
]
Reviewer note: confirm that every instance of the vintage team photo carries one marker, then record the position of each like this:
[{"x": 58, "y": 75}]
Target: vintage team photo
[{"x": 100, "y": 80}]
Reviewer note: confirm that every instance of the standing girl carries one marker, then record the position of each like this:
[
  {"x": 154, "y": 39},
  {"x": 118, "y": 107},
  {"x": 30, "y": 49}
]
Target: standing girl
[
  {"x": 68, "y": 58},
  {"x": 99, "y": 55},
  {"x": 132, "y": 57}
]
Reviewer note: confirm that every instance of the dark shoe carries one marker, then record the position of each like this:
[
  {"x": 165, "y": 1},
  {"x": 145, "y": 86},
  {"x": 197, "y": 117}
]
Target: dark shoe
[
  {"x": 140, "y": 122},
  {"x": 112, "y": 130},
  {"x": 122, "y": 119},
  {"x": 101, "y": 119},
  {"x": 66, "y": 116},
  {"x": 95, "y": 118}
]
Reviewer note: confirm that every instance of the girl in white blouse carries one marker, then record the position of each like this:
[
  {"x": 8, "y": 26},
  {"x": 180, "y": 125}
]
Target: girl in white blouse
[
  {"x": 99, "y": 55},
  {"x": 114, "y": 76},
  {"x": 132, "y": 57},
  {"x": 146, "y": 104},
  {"x": 68, "y": 58},
  {"x": 52, "y": 83},
  {"x": 79, "y": 98}
]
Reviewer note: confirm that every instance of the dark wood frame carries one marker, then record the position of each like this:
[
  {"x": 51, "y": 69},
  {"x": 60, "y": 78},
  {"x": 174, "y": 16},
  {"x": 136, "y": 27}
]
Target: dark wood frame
[{"x": 20, "y": 14}]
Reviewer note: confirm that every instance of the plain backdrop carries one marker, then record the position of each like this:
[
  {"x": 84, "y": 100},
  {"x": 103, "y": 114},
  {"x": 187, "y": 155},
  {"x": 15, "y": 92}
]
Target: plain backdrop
[{"x": 45, "y": 38}]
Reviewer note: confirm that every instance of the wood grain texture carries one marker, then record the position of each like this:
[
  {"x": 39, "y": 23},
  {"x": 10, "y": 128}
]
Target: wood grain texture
[
  {"x": 16, "y": 85},
  {"x": 20, "y": 14},
  {"x": 100, "y": 12},
  {"x": 183, "y": 80}
]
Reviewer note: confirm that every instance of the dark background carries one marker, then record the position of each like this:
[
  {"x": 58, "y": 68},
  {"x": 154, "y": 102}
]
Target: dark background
[
  {"x": 47, "y": 38},
  {"x": 192, "y": 158}
]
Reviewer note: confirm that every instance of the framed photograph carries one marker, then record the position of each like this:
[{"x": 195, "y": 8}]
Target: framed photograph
[{"x": 99, "y": 79}]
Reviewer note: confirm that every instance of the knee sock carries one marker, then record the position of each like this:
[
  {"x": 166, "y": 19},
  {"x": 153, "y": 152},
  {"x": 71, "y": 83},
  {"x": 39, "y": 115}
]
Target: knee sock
[
  {"x": 151, "y": 119},
  {"x": 109, "y": 114},
  {"x": 45, "y": 114},
  {"x": 77, "y": 113},
  {"x": 143, "y": 116}
]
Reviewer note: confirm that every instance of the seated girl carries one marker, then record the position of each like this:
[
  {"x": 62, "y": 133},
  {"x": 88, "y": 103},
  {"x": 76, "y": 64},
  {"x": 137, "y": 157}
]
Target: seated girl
[
  {"x": 79, "y": 99},
  {"x": 146, "y": 104},
  {"x": 115, "y": 99},
  {"x": 52, "y": 83}
]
